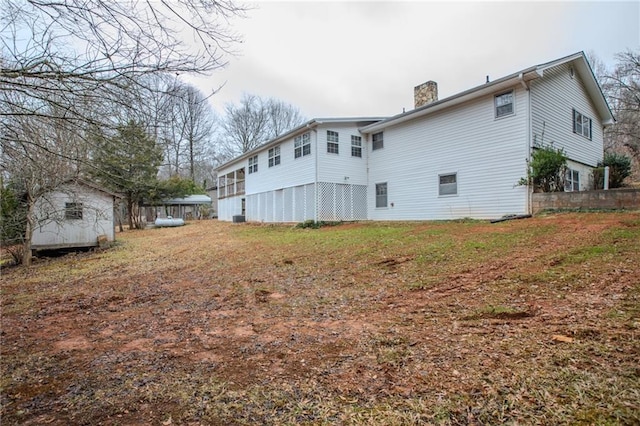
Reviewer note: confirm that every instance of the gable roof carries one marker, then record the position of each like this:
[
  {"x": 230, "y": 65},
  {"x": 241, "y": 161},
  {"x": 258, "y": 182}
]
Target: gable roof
[
  {"x": 89, "y": 184},
  {"x": 314, "y": 122},
  {"x": 578, "y": 60}
]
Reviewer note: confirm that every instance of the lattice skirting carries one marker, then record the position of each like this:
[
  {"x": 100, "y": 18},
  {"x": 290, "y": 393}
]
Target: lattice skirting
[{"x": 334, "y": 202}]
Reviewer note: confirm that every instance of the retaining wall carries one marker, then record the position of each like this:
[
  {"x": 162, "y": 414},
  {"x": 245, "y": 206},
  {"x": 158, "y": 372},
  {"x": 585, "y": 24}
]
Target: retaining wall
[{"x": 599, "y": 199}]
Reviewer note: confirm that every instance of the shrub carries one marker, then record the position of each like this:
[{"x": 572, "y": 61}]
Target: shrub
[
  {"x": 619, "y": 169},
  {"x": 546, "y": 169}
]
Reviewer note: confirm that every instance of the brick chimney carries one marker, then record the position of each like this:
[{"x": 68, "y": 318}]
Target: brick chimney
[{"x": 425, "y": 93}]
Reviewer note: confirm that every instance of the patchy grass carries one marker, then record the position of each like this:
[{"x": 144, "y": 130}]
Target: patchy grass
[{"x": 358, "y": 323}]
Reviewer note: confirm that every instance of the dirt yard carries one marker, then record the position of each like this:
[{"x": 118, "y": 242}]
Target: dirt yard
[{"x": 533, "y": 321}]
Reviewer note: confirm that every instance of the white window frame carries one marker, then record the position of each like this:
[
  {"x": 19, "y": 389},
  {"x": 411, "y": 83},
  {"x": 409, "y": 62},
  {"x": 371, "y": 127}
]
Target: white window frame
[
  {"x": 379, "y": 195},
  {"x": 253, "y": 164},
  {"x": 356, "y": 146},
  {"x": 571, "y": 180},
  {"x": 274, "y": 156},
  {"x": 333, "y": 142},
  {"x": 302, "y": 145},
  {"x": 497, "y": 105},
  {"x": 377, "y": 141},
  {"x": 581, "y": 124},
  {"x": 444, "y": 189}
]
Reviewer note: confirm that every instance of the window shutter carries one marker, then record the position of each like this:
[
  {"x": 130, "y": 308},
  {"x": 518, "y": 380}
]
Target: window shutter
[
  {"x": 574, "y": 121},
  {"x": 590, "y": 134}
]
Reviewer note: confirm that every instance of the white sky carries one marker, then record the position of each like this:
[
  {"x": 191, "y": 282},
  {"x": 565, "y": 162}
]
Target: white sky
[{"x": 363, "y": 58}]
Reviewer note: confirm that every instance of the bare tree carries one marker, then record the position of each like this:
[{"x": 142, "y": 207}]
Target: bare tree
[
  {"x": 189, "y": 129},
  {"x": 255, "y": 121},
  {"x": 70, "y": 64},
  {"x": 38, "y": 155},
  {"x": 623, "y": 93}
]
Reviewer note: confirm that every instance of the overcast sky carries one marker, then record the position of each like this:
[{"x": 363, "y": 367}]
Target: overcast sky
[{"x": 363, "y": 58}]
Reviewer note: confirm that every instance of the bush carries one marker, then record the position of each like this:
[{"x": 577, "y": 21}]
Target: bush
[
  {"x": 546, "y": 170},
  {"x": 619, "y": 169},
  {"x": 315, "y": 225}
]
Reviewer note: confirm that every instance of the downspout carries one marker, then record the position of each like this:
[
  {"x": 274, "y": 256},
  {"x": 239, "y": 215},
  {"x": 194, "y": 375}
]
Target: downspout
[{"x": 529, "y": 199}]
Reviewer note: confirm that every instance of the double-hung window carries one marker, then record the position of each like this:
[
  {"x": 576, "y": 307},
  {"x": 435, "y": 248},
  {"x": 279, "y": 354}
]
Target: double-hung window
[
  {"x": 571, "y": 180},
  {"x": 332, "y": 142},
  {"x": 448, "y": 184},
  {"x": 274, "y": 156},
  {"x": 377, "y": 141},
  {"x": 73, "y": 211},
  {"x": 356, "y": 146},
  {"x": 504, "y": 104},
  {"x": 381, "y": 194},
  {"x": 581, "y": 124},
  {"x": 302, "y": 145},
  {"x": 253, "y": 164}
]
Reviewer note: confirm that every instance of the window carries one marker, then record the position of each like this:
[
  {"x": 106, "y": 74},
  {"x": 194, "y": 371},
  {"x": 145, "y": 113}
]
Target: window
[
  {"x": 332, "y": 142},
  {"x": 448, "y": 184},
  {"x": 571, "y": 180},
  {"x": 381, "y": 194},
  {"x": 356, "y": 146},
  {"x": 73, "y": 211},
  {"x": 377, "y": 141},
  {"x": 581, "y": 124},
  {"x": 504, "y": 104},
  {"x": 274, "y": 156},
  {"x": 253, "y": 164},
  {"x": 302, "y": 145}
]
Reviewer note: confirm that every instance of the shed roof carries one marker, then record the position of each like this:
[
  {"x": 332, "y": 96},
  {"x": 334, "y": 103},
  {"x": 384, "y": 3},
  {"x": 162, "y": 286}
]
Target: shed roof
[{"x": 188, "y": 200}]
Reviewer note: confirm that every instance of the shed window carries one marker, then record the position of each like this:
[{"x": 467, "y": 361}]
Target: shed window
[
  {"x": 504, "y": 104},
  {"x": 302, "y": 145},
  {"x": 253, "y": 164},
  {"x": 377, "y": 141},
  {"x": 332, "y": 142},
  {"x": 274, "y": 156},
  {"x": 356, "y": 146},
  {"x": 381, "y": 194},
  {"x": 73, "y": 211},
  {"x": 571, "y": 180},
  {"x": 448, "y": 184},
  {"x": 581, "y": 124}
]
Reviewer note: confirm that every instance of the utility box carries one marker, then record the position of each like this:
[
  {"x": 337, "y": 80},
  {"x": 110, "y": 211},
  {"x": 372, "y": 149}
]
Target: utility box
[{"x": 238, "y": 218}]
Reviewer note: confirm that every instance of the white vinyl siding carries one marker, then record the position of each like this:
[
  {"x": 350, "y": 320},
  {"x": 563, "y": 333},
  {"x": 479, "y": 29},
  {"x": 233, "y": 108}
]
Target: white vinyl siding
[
  {"x": 488, "y": 156},
  {"x": 554, "y": 97},
  {"x": 74, "y": 216},
  {"x": 343, "y": 169}
]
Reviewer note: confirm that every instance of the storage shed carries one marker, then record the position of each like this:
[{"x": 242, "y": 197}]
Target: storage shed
[{"x": 76, "y": 214}]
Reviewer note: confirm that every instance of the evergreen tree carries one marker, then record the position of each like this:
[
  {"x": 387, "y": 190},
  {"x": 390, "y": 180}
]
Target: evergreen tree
[{"x": 128, "y": 163}]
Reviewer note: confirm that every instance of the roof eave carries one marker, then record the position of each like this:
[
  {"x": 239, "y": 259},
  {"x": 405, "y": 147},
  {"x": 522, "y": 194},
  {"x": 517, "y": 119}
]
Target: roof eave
[{"x": 294, "y": 132}]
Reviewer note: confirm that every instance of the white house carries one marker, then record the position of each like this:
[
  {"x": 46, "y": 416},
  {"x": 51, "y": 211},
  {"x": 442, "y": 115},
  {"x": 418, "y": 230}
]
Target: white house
[
  {"x": 77, "y": 214},
  {"x": 457, "y": 157}
]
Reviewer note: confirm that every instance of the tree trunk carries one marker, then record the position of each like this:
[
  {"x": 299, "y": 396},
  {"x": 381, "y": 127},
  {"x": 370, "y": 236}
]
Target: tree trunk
[
  {"x": 130, "y": 211},
  {"x": 28, "y": 231}
]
